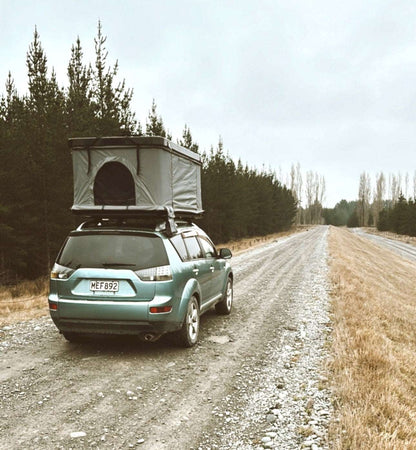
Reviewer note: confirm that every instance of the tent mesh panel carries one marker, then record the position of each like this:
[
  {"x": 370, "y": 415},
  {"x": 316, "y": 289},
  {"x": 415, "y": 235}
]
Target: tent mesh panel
[{"x": 114, "y": 185}]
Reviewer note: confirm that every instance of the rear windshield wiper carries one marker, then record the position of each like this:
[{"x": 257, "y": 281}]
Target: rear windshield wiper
[
  {"x": 109, "y": 264},
  {"x": 70, "y": 266}
]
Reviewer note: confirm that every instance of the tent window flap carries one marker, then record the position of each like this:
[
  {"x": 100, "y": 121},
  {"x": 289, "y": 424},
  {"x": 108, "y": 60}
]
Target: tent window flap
[{"x": 114, "y": 185}]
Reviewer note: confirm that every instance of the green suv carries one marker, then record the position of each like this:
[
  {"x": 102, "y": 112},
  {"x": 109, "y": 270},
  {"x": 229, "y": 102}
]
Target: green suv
[{"x": 117, "y": 277}]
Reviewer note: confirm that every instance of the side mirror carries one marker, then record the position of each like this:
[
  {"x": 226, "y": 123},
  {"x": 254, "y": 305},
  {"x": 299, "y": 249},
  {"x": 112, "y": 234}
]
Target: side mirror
[{"x": 225, "y": 253}]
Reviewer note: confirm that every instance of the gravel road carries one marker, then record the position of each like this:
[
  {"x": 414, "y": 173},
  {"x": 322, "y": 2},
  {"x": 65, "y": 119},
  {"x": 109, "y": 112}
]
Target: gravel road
[
  {"x": 256, "y": 380},
  {"x": 403, "y": 249}
]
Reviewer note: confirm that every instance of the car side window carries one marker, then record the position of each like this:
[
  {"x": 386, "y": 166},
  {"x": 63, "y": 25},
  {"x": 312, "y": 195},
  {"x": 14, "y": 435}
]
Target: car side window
[
  {"x": 177, "y": 242},
  {"x": 194, "y": 249},
  {"x": 207, "y": 247}
]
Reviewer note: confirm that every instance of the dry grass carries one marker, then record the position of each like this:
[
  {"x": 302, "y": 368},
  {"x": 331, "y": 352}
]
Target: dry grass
[
  {"x": 374, "y": 342},
  {"x": 26, "y": 300}
]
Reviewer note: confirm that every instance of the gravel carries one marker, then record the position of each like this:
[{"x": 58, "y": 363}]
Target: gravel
[
  {"x": 286, "y": 402},
  {"x": 257, "y": 380}
]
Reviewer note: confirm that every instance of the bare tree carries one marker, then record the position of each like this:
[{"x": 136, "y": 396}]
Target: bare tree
[
  {"x": 299, "y": 182},
  {"x": 364, "y": 193},
  {"x": 309, "y": 195},
  {"x": 292, "y": 179},
  {"x": 315, "y": 192},
  {"x": 379, "y": 193},
  {"x": 322, "y": 193},
  {"x": 295, "y": 183},
  {"x": 406, "y": 185},
  {"x": 319, "y": 197},
  {"x": 394, "y": 188},
  {"x": 399, "y": 186},
  {"x": 414, "y": 185}
]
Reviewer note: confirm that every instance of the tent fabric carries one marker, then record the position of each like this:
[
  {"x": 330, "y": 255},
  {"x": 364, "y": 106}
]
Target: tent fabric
[{"x": 135, "y": 174}]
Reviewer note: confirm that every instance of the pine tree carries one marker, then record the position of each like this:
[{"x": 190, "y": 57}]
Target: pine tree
[
  {"x": 187, "y": 140},
  {"x": 46, "y": 157},
  {"x": 112, "y": 103},
  {"x": 37, "y": 74},
  {"x": 154, "y": 123},
  {"x": 79, "y": 98}
]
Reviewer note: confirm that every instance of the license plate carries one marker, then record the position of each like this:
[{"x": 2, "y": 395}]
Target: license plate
[{"x": 104, "y": 286}]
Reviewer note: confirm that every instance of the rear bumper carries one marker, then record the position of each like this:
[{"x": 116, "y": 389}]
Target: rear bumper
[
  {"x": 113, "y": 317},
  {"x": 125, "y": 327}
]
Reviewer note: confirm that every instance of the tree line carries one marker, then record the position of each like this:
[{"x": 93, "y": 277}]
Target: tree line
[
  {"x": 399, "y": 217},
  {"x": 36, "y": 169},
  {"x": 309, "y": 191},
  {"x": 344, "y": 213},
  {"x": 389, "y": 205},
  {"x": 386, "y": 204},
  {"x": 240, "y": 201}
]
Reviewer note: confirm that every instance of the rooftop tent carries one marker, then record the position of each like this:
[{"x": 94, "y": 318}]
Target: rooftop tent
[{"x": 135, "y": 175}]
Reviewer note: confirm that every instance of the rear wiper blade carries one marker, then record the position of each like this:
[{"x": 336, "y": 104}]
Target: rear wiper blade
[
  {"x": 109, "y": 264},
  {"x": 69, "y": 265}
]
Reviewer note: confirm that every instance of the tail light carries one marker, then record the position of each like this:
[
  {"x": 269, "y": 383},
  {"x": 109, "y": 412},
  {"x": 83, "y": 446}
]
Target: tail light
[
  {"x": 61, "y": 272},
  {"x": 160, "y": 273},
  {"x": 53, "y": 306}
]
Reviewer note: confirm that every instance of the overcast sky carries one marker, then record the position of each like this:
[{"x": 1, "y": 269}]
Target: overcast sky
[{"x": 329, "y": 84}]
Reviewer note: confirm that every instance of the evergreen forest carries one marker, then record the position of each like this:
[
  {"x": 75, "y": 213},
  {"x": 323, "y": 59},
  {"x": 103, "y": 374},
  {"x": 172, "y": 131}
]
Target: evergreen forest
[
  {"x": 36, "y": 187},
  {"x": 343, "y": 213},
  {"x": 399, "y": 218}
]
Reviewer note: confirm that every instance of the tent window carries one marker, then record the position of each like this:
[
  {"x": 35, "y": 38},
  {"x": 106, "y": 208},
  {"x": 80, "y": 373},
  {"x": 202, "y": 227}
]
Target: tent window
[{"x": 114, "y": 185}]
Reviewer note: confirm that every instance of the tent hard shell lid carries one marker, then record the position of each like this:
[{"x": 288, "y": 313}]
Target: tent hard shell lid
[{"x": 135, "y": 176}]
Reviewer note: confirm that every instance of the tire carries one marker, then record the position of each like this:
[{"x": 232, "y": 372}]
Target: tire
[
  {"x": 187, "y": 336},
  {"x": 225, "y": 305}
]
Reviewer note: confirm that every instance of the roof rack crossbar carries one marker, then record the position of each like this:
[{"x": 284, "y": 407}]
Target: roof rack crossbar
[{"x": 168, "y": 217}]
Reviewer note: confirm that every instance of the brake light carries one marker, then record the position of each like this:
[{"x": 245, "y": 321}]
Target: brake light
[
  {"x": 59, "y": 275},
  {"x": 53, "y": 306},
  {"x": 61, "y": 272},
  {"x": 161, "y": 273},
  {"x": 160, "y": 309}
]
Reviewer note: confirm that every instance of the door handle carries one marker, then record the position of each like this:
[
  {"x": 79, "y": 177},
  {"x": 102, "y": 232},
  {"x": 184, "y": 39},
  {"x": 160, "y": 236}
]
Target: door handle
[
  {"x": 212, "y": 268},
  {"x": 195, "y": 271}
]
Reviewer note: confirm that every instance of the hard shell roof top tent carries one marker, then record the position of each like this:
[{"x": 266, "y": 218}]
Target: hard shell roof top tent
[{"x": 135, "y": 176}]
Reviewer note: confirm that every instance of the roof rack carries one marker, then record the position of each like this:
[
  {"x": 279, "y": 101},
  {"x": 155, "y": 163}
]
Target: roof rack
[{"x": 163, "y": 221}]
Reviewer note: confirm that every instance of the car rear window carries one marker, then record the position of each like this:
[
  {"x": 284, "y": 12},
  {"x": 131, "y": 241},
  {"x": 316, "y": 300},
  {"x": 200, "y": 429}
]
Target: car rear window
[{"x": 133, "y": 252}]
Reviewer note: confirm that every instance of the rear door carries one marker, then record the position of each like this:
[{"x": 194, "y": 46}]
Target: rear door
[
  {"x": 200, "y": 267},
  {"x": 214, "y": 266}
]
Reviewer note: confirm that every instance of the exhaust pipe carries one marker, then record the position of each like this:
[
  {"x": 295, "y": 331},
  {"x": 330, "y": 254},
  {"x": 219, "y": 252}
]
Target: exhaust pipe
[{"x": 150, "y": 337}]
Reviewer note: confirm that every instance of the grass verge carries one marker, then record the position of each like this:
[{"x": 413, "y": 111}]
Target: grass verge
[
  {"x": 374, "y": 341},
  {"x": 26, "y": 300}
]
